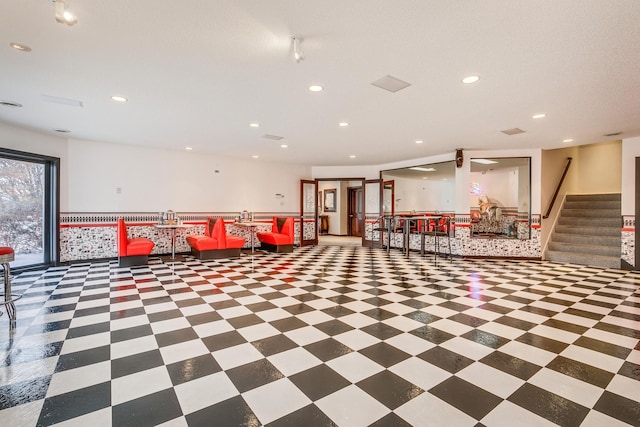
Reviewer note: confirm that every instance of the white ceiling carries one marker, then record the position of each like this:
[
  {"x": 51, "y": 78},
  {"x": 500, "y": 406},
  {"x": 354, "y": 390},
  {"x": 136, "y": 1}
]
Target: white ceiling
[{"x": 197, "y": 72}]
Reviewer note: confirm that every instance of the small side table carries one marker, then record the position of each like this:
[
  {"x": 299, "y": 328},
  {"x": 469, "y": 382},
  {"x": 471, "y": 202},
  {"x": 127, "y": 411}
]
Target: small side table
[{"x": 324, "y": 224}]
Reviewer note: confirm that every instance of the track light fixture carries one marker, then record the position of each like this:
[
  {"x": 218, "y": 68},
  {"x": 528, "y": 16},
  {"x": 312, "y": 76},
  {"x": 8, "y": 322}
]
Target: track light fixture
[
  {"x": 296, "y": 41},
  {"x": 62, "y": 13}
]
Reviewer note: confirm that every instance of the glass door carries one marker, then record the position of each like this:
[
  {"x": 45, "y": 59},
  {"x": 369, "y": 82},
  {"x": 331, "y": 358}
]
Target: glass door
[
  {"x": 372, "y": 219},
  {"x": 308, "y": 212},
  {"x": 28, "y": 207}
]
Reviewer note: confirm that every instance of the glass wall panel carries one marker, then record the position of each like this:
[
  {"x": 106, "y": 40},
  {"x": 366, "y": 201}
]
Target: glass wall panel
[{"x": 500, "y": 198}]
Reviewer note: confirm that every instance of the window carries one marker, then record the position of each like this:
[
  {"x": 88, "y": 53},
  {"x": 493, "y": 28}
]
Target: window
[{"x": 29, "y": 194}]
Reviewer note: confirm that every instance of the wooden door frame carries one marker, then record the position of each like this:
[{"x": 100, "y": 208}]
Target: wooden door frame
[{"x": 350, "y": 192}]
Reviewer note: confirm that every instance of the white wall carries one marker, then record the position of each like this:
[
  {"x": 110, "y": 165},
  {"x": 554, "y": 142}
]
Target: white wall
[
  {"x": 335, "y": 220},
  {"x": 424, "y": 195},
  {"x": 20, "y": 139},
  {"x": 153, "y": 180},
  {"x": 630, "y": 150},
  {"x": 500, "y": 186},
  {"x": 599, "y": 168}
]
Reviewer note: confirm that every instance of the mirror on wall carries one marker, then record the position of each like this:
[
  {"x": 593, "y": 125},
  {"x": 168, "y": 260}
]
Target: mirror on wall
[
  {"x": 500, "y": 197},
  {"x": 420, "y": 189}
]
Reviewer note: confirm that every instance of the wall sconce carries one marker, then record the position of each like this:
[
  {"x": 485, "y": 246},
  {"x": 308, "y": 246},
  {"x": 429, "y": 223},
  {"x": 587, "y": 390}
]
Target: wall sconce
[
  {"x": 63, "y": 14},
  {"x": 296, "y": 41},
  {"x": 279, "y": 196},
  {"x": 459, "y": 157}
]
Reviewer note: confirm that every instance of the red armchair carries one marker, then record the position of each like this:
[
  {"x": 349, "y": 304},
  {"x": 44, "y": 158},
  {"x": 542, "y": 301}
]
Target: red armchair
[
  {"x": 133, "y": 251},
  {"x": 281, "y": 237},
  {"x": 215, "y": 243}
]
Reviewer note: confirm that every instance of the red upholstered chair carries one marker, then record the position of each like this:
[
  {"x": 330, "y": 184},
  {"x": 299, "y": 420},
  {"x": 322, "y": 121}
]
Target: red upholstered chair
[
  {"x": 133, "y": 251},
  {"x": 215, "y": 243},
  {"x": 280, "y": 238}
]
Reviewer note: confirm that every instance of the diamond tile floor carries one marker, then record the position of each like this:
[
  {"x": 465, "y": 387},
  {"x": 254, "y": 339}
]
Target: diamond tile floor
[{"x": 325, "y": 336}]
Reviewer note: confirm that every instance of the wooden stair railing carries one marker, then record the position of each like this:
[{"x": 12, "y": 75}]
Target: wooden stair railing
[{"x": 555, "y": 194}]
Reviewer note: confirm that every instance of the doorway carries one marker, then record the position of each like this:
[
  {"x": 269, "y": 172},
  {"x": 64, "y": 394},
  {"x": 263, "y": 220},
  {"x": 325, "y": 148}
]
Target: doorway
[{"x": 355, "y": 211}]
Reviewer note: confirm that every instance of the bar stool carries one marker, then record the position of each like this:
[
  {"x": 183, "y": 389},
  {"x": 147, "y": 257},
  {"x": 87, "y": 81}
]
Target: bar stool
[
  {"x": 379, "y": 229},
  {"x": 6, "y": 256},
  {"x": 438, "y": 226}
]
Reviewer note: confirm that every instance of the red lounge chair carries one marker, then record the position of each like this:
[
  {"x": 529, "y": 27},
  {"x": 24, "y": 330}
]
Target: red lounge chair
[
  {"x": 281, "y": 237},
  {"x": 215, "y": 243},
  {"x": 132, "y": 251}
]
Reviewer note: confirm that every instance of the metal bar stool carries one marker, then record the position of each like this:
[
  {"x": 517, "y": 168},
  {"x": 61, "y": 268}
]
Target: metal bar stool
[{"x": 6, "y": 256}]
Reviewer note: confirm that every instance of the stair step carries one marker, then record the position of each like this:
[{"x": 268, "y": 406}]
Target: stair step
[
  {"x": 587, "y": 231},
  {"x": 590, "y": 221},
  {"x": 589, "y": 197},
  {"x": 598, "y": 230},
  {"x": 585, "y": 249},
  {"x": 599, "y": 213},
  {"x": 586, "y": 239},
  {"x": 600, "y": 204},
  {"x": 584, "y": 259}
]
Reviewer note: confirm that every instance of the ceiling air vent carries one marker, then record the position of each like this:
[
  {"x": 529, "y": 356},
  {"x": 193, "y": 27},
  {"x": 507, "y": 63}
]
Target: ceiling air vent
[
  {"x": 274, "y": 137},
  {"x": 10, "y": 104},
  {"x": 612, "y": 134},
  {"x": 62, "y": 101},
  {"x": 390, "y": 83},
  {"x": 513, "y": 131}
]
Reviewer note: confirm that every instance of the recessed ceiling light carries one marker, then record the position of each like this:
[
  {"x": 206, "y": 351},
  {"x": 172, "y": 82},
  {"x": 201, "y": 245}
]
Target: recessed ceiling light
[
  {"x": 283, "y": 145},
  {"x": 316, "y": 88},
  {"x": 255, "y": 156},
  {"x": 343, "y": 124},
  {"x": 119, "y": 98},
  {"x": 567, "y": 140},
  {"x": 484, "y": 161},
  {"x": 353, "y": 156},
  {"x": 419, "y": 141},
  {"x": 20, "y": 47},
  {"x": 539, "y": 116},
  {"x": 254, "y": 125},
  {"x": 417, "y": 168},
  {"x": 62, "y": 130},
  {"x": 188, "y": 148},
  {"x": 470, "y": 79}
]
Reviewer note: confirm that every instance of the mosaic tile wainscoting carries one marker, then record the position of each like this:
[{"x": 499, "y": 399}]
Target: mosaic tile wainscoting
[
  {"x": 462, "y": 244},
  {"x": 93, "y": 236},
  {"x": 628, "y": 249}
]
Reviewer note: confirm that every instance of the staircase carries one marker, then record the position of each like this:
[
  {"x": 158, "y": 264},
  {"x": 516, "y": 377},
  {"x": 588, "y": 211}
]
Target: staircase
[{"x": 588, "y": 231}]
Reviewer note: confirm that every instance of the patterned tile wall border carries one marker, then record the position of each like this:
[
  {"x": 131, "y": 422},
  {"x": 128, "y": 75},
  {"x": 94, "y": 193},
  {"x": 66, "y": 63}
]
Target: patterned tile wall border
[
  {"x": 462, "y": 244},
  {"x": 628, "y": 249},
  {"x": 86, "y": 236}
]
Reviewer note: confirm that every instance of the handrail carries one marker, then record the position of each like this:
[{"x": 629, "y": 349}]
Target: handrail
[{"x": 555, "y": 195}]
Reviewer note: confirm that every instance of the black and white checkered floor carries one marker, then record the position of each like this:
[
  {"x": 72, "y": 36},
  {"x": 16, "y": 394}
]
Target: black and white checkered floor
[{"x": 325, "y": 336}]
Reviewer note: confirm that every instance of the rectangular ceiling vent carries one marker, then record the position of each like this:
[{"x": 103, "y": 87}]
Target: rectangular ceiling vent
[
  {"x": 274, "y": 137},
  {"x": 513, "y": 131},
  {"x": 62, "y": 101},
  {"x": 390, "y": 83}
]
